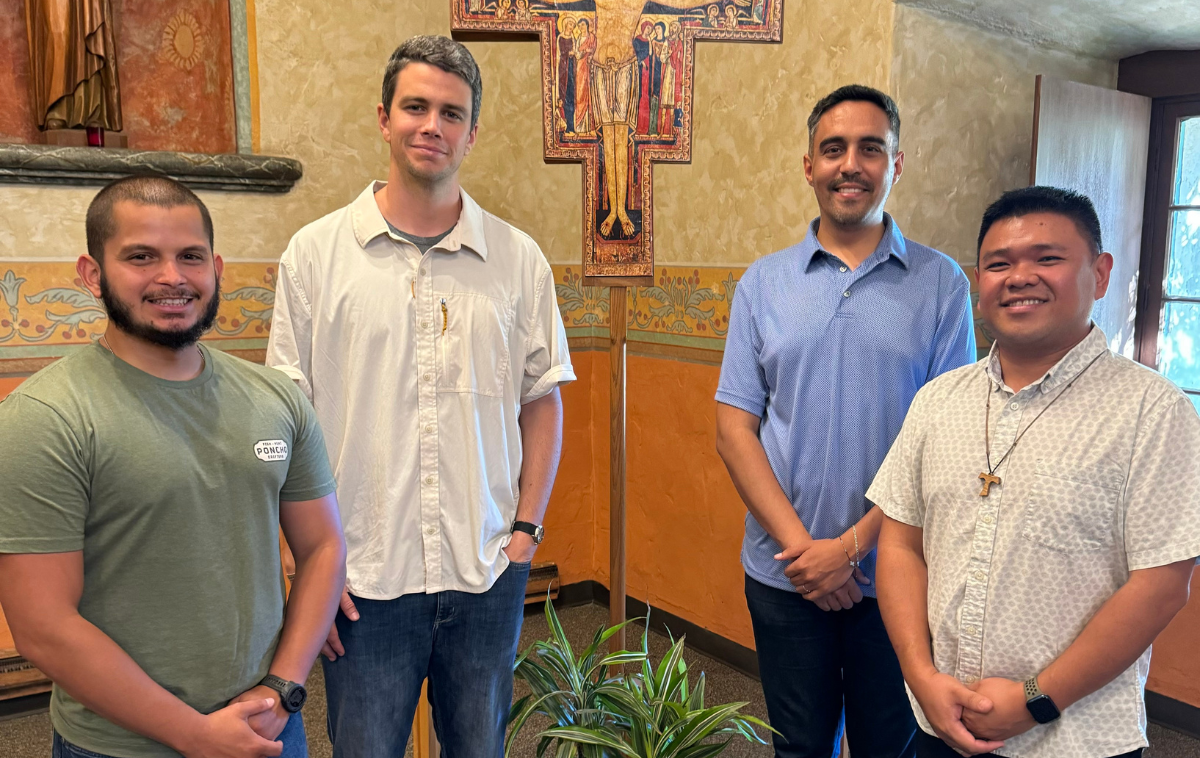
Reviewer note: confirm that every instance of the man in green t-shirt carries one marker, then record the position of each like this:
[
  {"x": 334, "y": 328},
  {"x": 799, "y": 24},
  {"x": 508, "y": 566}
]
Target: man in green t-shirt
[{"x": 145, "y": 480}]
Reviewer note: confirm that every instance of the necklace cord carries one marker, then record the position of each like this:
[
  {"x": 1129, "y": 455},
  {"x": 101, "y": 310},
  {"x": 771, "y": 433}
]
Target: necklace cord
[{"x": 987, "y": 416}]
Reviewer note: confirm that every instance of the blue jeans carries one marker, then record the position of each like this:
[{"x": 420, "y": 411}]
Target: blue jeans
[
  {"x": 464, "y": 643},
  {"x": 816, "y": 665},
  {"x": 295, "y": 745}
]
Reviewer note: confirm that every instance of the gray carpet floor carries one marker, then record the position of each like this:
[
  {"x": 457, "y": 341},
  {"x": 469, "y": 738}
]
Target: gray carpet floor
[{"x": 29, "y": 736}]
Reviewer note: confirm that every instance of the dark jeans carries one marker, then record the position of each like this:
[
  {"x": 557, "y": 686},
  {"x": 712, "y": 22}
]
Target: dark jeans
[
  {"x": 817, "y": 664},
  {"x": 295, "y": 745},
  {"x": 465, "y": 644},
  {"x": 929, "y": 746}
]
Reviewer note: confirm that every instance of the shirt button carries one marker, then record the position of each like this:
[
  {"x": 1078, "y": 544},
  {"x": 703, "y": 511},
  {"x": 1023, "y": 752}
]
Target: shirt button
[
  {"x": 972, "y": 679},
  {"x": 970, "y": 630},
  {"x": 980, "y": 576},
  {"x": 431, "y": 530},
  {"x": 422, "y": 272},
  {"x": 842, "y": 269},
  {"x": 424, "y": 324},
  {"x": 429, "y": 428},
  {"x": 846, "y": 293},
  {"x": 428, "y": 377},
  {"x": 1015, "y": 406},
  {"x": 988, "y": 519},
  {"x": 429, "y": 480}
]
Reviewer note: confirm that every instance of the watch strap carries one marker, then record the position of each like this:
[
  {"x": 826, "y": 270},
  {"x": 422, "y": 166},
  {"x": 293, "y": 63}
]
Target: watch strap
[
  {"x": 533, "y": 530},
  {"x": 292, "y": 696},
  {"x": 1040, "y": 705}
]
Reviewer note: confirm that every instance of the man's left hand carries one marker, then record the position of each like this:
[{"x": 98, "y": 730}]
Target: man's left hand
[
  {"x": 1008, "y": 717},
  {"x": 270, "y": 723},
  {"x": 521, "y": 548}
]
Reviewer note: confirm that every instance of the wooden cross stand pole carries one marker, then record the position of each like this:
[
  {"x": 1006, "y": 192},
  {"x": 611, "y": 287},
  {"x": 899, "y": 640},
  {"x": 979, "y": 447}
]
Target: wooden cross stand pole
[{"x": 616, "y": 478}]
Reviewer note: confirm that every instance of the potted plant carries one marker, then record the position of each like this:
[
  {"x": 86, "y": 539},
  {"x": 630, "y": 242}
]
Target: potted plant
[{"x": 649, "y": 713}]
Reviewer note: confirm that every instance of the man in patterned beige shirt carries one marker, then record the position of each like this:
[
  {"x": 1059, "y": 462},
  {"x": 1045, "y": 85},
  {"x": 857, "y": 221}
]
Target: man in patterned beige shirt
[{"x": 1043, "y": 510}]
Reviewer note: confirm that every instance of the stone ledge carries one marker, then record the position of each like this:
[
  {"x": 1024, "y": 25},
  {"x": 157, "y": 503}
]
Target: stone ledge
[{"x": 91, "y": 166}]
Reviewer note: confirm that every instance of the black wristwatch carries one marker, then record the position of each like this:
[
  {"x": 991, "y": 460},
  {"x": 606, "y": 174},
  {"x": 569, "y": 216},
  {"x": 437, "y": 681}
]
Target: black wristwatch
[
  {"x": 291, "y": 695},
  {"x": 533, "y": 530},
  {"x": 1040, "y": 706}
]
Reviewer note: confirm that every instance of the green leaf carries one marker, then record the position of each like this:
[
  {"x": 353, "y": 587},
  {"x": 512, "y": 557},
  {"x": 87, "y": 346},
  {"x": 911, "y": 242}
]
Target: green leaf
[{"x": 591, "y": 737}]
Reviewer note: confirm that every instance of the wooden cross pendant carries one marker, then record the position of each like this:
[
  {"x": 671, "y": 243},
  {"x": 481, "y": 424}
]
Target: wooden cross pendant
[{"x": 988, "y": 480}]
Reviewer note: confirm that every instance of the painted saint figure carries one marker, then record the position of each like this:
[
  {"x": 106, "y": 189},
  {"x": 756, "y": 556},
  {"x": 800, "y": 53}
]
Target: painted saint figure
[
  {"x": 566, "y": 72},
  {"x": 585, "y": 46},
  {"x": 672, "y": 84}
]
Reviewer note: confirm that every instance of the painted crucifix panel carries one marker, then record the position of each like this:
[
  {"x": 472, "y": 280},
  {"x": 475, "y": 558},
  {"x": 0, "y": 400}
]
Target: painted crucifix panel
[{"x": 617, "y": 96}]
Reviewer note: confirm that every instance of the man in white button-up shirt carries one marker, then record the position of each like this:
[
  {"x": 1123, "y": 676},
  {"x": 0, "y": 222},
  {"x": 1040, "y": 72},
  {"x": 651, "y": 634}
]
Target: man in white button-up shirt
[
  {"x": 427, "y": 334},
  {"x": 1043, "y": 510}
]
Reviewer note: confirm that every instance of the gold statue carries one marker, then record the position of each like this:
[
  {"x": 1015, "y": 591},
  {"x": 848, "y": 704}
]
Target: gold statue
[{"x": 73, "y": 64}]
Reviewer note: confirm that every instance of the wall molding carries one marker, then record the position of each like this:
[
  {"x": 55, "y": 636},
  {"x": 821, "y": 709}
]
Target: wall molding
[
  {"x": 1173, "y": 714},
  {"x": 91, "y": 166}
]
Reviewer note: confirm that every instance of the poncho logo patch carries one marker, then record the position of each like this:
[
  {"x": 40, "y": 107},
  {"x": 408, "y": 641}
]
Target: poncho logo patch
[{"x": 271, "y": 450}]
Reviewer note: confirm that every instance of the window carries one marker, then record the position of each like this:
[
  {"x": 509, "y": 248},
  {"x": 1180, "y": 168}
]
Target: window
[{"x": 1169, "y": 322}]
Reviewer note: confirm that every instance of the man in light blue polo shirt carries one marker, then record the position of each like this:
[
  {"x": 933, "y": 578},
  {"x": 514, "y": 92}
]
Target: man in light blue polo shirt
[{"x": 829, "y": 341}]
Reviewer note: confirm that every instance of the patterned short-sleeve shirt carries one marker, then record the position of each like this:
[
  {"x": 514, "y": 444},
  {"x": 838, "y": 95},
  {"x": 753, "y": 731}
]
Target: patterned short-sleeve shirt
[{"x": 1106, "y": 482}]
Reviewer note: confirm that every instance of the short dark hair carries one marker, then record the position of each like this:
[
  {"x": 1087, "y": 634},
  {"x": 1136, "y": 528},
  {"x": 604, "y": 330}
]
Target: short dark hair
[
  {"x": 435, "y": 50},
  {"x": 1039, "y": 199},
  {"x": 855, "y": 93},
  {"x": 143, "y": 189}
]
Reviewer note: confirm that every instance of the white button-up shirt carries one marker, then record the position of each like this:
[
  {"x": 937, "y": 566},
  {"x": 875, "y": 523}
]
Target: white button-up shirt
[
  {"x": 417, "y": 365},
  {"x": 1106, "y": 482}
]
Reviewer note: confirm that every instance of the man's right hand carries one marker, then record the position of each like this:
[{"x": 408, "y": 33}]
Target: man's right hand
[
  {"x": 227, "y": 734},
  {"x": 942, "y": 699},
  {"x": 333, "y": 644}
]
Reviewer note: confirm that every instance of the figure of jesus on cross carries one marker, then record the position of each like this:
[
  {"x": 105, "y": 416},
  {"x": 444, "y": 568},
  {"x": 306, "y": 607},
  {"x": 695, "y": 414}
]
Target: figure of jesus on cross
[{"x": 617, "y": 96}]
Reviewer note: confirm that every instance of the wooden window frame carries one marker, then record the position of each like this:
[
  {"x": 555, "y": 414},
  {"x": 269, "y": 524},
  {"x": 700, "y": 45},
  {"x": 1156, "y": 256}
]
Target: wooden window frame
[{"x": 1165, "y": 116}]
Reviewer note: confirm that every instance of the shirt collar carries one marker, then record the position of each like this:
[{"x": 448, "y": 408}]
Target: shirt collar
[
  {"x": 892, "y": 244},
  {"x": 1069, "y": 366},
  {"x": 369, "y": 223}
]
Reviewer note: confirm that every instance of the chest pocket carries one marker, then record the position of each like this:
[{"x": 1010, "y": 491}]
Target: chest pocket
[
  {"x": 1073, "y": 511},
  {"x": 474, "y": 345}
]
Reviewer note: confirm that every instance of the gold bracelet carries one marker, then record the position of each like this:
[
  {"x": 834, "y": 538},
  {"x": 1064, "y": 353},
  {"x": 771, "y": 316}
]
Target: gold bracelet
[
  {"x": 857, "y": 555},
  {"x": 847, "y": 552}
]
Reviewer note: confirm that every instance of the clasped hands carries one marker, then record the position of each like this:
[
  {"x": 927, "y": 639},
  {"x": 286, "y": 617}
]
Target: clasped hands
[
  {"x": 974, "y": 718},
  {"x": 821, "y": 572}
]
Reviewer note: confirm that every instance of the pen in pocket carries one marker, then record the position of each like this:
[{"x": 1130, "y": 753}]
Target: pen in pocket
[{"x": 445, "y": 316}]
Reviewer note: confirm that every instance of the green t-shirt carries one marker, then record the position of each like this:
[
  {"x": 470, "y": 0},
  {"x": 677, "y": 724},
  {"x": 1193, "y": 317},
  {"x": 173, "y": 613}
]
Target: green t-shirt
[{"x": 172, "y": 491}]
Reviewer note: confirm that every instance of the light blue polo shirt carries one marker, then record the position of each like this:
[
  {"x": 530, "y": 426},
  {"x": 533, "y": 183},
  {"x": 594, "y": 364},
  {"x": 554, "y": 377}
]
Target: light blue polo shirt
[{"x": 830, "y": 358}]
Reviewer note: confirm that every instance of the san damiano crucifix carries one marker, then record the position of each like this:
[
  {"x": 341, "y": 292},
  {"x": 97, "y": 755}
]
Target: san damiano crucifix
[{"x": 617, "y": 96}]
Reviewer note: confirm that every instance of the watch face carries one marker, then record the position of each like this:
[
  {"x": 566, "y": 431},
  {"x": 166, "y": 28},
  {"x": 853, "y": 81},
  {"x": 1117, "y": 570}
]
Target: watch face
[
  {"x": 539, "y": 534},
  {"x": 294, "y": 700},
  {"x": 1042, "y": 709}
]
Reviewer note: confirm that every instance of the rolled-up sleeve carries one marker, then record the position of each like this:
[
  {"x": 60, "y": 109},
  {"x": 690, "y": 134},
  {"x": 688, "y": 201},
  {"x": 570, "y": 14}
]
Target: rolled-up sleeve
[
  {"x": 289, "y": 348},
  {"x": 547, "y": 357}
]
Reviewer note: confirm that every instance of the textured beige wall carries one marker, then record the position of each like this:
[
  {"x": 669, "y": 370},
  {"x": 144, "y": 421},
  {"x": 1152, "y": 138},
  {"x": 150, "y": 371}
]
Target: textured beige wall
[{"x": 966, "y": 103}]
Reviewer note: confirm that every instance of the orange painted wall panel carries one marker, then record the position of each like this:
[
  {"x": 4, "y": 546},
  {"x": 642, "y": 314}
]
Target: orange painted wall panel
[
  {"x": 176, "y": 70},
  {"x": 8, "y": 384},
  {"x": 1175, "y": 666},
  {"x": 570, "y": 515},
  {"x": 175, "y": 66}
]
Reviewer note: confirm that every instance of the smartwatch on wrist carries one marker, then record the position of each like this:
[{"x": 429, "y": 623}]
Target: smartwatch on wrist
[
  {"x": 291, "y": 695},
  {"x": 1040, "y": 706},
  {"x": 533, "y": 530}
]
